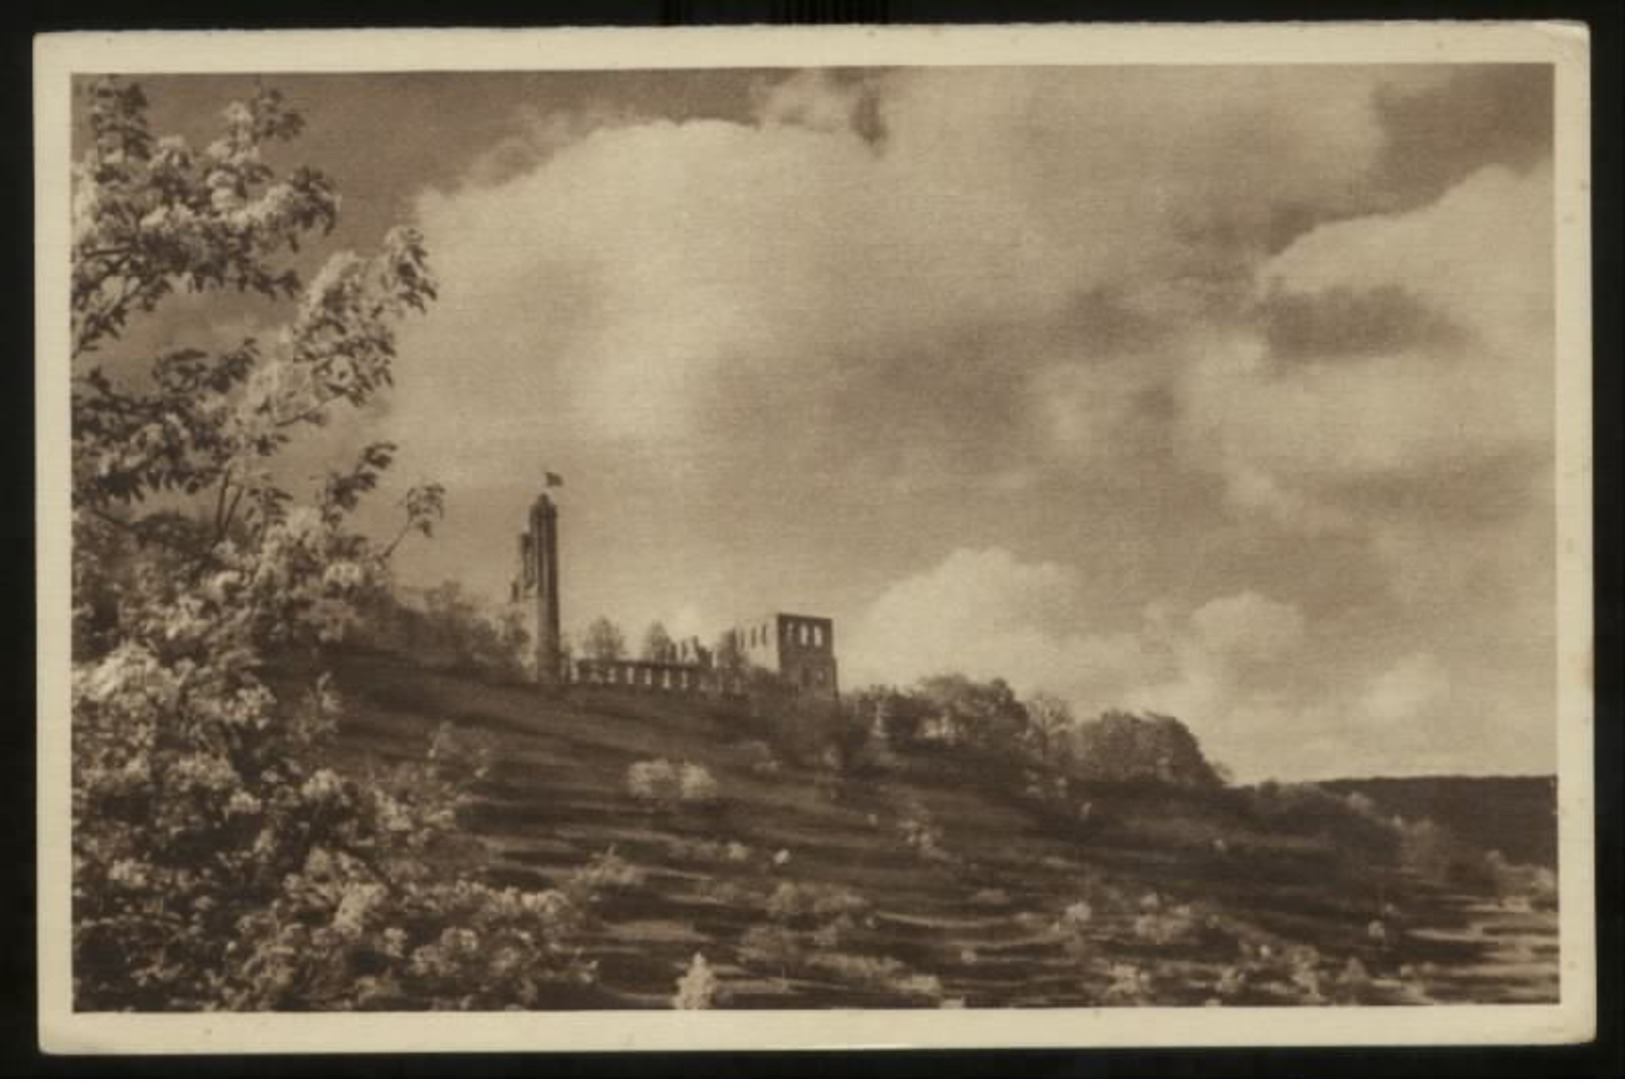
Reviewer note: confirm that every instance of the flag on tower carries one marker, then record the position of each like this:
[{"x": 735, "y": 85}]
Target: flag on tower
[{"x": 554, "y": 481}]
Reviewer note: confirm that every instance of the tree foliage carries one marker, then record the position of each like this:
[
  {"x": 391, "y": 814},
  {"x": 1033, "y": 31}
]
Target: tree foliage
[
  {"x": 1051, "y": 729},
  {"x": 1123, "y": 747},
  {"x": 658, "y": 645},
  {"x": 981, "y": 714},
  {"x": 1041, "y": 733},
  {"x": 603, "y": 641},
  {"x": 448, "y": 627},
  {"x": 894, "y": 715},
  {"x": 219, "y": 859}
]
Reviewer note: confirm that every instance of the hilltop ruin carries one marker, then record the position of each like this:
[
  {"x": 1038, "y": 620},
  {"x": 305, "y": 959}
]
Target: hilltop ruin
[{"x": 796, "y": 648}]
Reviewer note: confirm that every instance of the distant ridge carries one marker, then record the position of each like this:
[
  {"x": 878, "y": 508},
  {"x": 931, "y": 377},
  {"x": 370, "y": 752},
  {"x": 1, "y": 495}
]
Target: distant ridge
[{"x": 1515, "y": 814}]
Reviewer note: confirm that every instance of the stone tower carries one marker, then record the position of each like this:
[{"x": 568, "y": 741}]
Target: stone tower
[
  {"x": 536, "y": 590},
  {"x": 800, "y": 649}
]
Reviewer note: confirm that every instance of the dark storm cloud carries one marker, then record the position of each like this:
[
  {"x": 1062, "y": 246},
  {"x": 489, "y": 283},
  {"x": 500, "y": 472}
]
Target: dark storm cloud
[
  {"x": 1101, "y": 320},
  {"x": 854, "y": 93},
  {"x": 1476, "y": 117},
  {"x": 1433, "y": 135},
  {"x": 1466, "y": 493},
  {"x": 946, "y": 410},
  {"x": 1342, "y": 323}
]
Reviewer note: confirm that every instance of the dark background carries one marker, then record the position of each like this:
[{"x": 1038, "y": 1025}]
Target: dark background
[{"x": 19, "y": 1054}]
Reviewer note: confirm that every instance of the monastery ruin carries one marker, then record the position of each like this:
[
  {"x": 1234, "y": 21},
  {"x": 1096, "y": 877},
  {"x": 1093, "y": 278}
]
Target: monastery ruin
[{"x": 799, "y": 650}]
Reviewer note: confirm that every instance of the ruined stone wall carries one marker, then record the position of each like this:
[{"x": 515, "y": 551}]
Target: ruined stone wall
[
  {"x": 798, "y": 649},
  {"x": 759, "y": 642},
  {"x": 643, "y": 676},
  {"x": 807, "y": 654}
]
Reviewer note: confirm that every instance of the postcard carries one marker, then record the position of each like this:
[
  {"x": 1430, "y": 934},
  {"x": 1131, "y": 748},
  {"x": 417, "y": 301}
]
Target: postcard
[{"x": 790, "y": 538}]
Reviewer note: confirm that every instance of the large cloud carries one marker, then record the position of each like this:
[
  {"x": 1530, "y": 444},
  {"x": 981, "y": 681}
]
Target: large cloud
[
  {"x": 642, "y": 275},
  {"x": 1414, "y": 687},
  {"x": 1266, "y": 691},
  {"x": 1431, "y": 357},
  {"x": 1426, "y": 435},
  {"x": 986, "y": 613}
]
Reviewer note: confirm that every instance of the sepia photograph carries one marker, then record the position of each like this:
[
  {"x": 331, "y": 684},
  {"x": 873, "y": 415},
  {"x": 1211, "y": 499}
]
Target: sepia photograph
[{"x": 809, "y": 529}]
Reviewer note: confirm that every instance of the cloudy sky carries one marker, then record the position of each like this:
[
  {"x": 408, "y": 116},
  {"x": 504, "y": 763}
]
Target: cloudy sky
[{"x": 1225, "y": 392}]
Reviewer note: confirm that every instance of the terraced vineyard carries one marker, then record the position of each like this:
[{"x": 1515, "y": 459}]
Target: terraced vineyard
[{"x": 922, "y": 883}]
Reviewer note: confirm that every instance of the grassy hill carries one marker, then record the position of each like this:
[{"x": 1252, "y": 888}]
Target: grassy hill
[
  {"x": 931, "y": 880},
  {"x": 1515, "y": 815}
]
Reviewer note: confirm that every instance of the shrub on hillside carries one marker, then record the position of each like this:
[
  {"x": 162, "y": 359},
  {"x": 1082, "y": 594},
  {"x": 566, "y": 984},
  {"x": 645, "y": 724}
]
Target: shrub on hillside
[
  {"x": 1123, "y": 747},
  {"x": 1129, "y": 985},
  {"x": 698, "y": 988},
  {"x": 804, "y": 731},
  {"x": 1167, "y": 925},
  {"x": 1528, "y": 885},
  {"x": 792, "y": 902},
  {"x": 695, "y": 785},
  {"x": 759, "y": 757},
  {"x": 732, "y": 852},
  {"x": 921, "y": 832},
  {"x": 771, "y": 946},
  {"x": 663, "y": 782},
  {"x": 607, "y": 872},
  {"x": 1434, "y": 852},
  {"x": 894, "y": 717},
  {"x": 879, "y": 972},
  {"x": 1353, "y": 823}
]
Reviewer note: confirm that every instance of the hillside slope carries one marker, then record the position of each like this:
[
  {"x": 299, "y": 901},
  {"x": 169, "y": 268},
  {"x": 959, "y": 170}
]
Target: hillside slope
[
  {"x": 1515, "y": 815},
  {"x": 925, "y": 883}
]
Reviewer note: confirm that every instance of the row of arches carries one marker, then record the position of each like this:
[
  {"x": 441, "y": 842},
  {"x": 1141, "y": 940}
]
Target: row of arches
[{"x": 655, "y": 676}]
